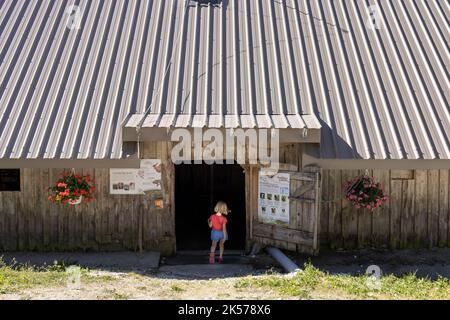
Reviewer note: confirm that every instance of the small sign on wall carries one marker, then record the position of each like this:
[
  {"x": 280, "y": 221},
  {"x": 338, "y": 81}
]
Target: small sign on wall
[
  {"x": 273, "y": 198},
  {"x": 136, "y": 181}
]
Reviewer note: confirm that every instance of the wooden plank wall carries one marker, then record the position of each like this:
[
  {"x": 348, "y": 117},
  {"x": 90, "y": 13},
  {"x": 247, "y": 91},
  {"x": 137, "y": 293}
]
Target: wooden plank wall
[
  {"x": 417, "y": 215},
  {"x": 28, "y": 221}
]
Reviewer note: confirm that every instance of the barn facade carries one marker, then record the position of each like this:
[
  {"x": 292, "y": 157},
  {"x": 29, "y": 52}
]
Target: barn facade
[{"x": 351, "y": 87}]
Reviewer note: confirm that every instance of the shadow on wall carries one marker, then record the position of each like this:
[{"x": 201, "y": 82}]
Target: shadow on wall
[{"x": 334, "y": 146}]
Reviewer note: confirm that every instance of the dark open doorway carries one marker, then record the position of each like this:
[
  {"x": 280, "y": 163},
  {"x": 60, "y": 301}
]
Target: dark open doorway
[{"x": 197, "y": 190}]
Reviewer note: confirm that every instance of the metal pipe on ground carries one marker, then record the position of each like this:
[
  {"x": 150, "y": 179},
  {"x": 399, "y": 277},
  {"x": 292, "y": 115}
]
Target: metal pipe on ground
[{"x": 288, "y": 265}]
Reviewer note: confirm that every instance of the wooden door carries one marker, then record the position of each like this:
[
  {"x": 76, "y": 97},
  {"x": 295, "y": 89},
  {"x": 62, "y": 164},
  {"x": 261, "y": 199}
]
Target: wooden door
[{"x": 301, "y": 234}]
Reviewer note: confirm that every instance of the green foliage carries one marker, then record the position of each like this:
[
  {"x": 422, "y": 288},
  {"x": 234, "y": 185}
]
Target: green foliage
[
  {"x": 70, "y": 187},
  {"x": 176, "y": 288},
  {"x": 299, "y": 285},
  {"x": 364, "y": 192},
  {"x": 18, "y": 278},
  {"x": 311, "y": 280}
]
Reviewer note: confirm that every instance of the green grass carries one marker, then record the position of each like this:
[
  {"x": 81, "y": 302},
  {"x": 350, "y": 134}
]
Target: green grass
[
  {"x": 313, "y": 282},
  {"x": 299, "y": 285},
  {"x": 114, "y": 295},
  {"x": 18, "y": 277},
  {"x": 176, "y": 288}
]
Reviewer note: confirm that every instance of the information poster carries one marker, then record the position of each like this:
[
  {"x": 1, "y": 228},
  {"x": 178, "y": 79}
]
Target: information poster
[
  {"x": 273, "y": 206},
  {"x": 136, "y": 181}
]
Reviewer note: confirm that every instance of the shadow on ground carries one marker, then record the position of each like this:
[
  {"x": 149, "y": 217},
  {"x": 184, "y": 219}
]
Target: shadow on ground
[
  {"x": 189, "y": 266},
  {"x": 108, "y": 261},
  {"x": 196, "y": 266},
  {"x": 426, "y": 263}
]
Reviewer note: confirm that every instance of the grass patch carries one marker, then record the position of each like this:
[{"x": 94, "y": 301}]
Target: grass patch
[
  {"x": 15, "y": 277},
  {"x": 313, "y": 282},
  {"x": 176, "y": 288},
  {"x": 113, "y": 294},
  {"x": 408, "y": 286},
  {"x": 300, "y": 285},
  {"x": 18, "y": 277}
]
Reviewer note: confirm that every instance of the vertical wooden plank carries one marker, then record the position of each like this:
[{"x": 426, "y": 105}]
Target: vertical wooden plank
[
  {"x": 294, "y": 212},
  {"x": 335, "y": 210},
  {"x": 300, "y": 150},
  {"x": 306, "y": 215},
  {"x": 317, "y": 204},
  {"x": 349, "y": 215},
  {"x": 448, "y": 214},
  {"x": 443, "y": 207},
  {"x": 170, "y": 169},
  {"x": 381, "y": 216},
  {"x": 10, "y": 222},
  {"x": 45, "y": 210},
  {"x": 396, "y": 209},
  {"x": 433, "y": 207},
  {"x": 72, "y": 221},
  {"x": 421, "y": 208},
  {"x": 22, "y": 218},
  {"x": 53, "y": 216},
  {"x": 107, "y": 209},
  {"x": 407, "y": 214},
  {"x": 88, "y": 215},
  {"x": 15, "y": 217},
  {"x": 29, "y": 206},
  {"x": 122, "y": 220},
  {"x": 365, "y": 225},
  {"x": 98, "y": 207},
  {"x": 324, "y": 208},
  {"x": 3, "y": 233},
  {"x": 38, "y": 179}
]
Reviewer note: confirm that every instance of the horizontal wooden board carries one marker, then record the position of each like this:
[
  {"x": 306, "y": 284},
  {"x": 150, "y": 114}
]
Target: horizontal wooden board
[{"x": 283, "y": 234}]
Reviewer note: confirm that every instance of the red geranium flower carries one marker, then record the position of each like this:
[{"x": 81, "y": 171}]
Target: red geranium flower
[{"x": 71, "y": 187}]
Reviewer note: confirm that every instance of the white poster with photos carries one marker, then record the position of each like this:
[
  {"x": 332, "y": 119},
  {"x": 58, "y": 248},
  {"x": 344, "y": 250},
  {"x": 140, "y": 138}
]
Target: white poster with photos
[
  {"x": 136, "y": 181},
  {"x": 273, "y": 200}
]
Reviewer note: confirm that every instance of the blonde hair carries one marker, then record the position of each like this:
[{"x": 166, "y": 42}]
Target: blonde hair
[{"x": 221, "y": 207}]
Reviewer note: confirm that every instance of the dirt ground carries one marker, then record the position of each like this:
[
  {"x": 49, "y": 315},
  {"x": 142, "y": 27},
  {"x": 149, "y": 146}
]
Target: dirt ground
[
  {"x": 173, "y": 280},
  {"x": 110, "y": 285}
]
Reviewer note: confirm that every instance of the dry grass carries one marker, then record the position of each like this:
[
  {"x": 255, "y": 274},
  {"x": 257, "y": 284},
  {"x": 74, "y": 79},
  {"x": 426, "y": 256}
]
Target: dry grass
[{"x": 25, "y": 282}]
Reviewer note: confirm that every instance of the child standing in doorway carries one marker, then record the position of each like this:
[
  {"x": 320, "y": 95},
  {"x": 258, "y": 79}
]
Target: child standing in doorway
[{"x": 218, "y": 223}]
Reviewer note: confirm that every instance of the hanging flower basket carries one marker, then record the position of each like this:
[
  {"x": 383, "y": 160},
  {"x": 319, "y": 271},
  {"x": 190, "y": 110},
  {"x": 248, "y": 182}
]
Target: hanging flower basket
[
  {"x": 72, "y": 189},
  {"x": 76, "y": 201},
  {"x": 364, "y": 192}
]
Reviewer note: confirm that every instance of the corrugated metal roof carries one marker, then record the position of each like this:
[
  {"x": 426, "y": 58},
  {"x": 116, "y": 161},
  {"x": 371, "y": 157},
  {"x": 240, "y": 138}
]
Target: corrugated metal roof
[{"x": 290, "y": 64}]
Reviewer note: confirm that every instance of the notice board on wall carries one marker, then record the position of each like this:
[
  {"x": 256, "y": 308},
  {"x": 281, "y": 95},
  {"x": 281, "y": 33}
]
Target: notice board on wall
[
  {"x": 136, "y": 181},
  {"x": 273, "y": 198}
]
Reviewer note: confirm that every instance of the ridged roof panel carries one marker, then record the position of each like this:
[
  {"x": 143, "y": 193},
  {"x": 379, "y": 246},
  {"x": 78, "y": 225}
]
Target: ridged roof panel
[{"x": 376, "y": 94}]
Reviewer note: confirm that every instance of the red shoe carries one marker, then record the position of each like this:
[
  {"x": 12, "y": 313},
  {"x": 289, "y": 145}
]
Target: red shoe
[
  {"x": 211, "y": 258},
  {"x": 220, "y": 260}
]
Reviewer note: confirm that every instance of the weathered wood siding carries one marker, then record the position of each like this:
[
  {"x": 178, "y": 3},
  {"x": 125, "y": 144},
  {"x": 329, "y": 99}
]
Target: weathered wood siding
[
  {"x": 28, "y": 221},
  {"x": 417, "y": 214}
]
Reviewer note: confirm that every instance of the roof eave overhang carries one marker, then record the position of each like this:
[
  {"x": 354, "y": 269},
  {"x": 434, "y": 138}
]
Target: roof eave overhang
[
  {"x": 310, "y": 157},
  {"x": 42, "y": 163},
  {"x": 287, "y": 135}
]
